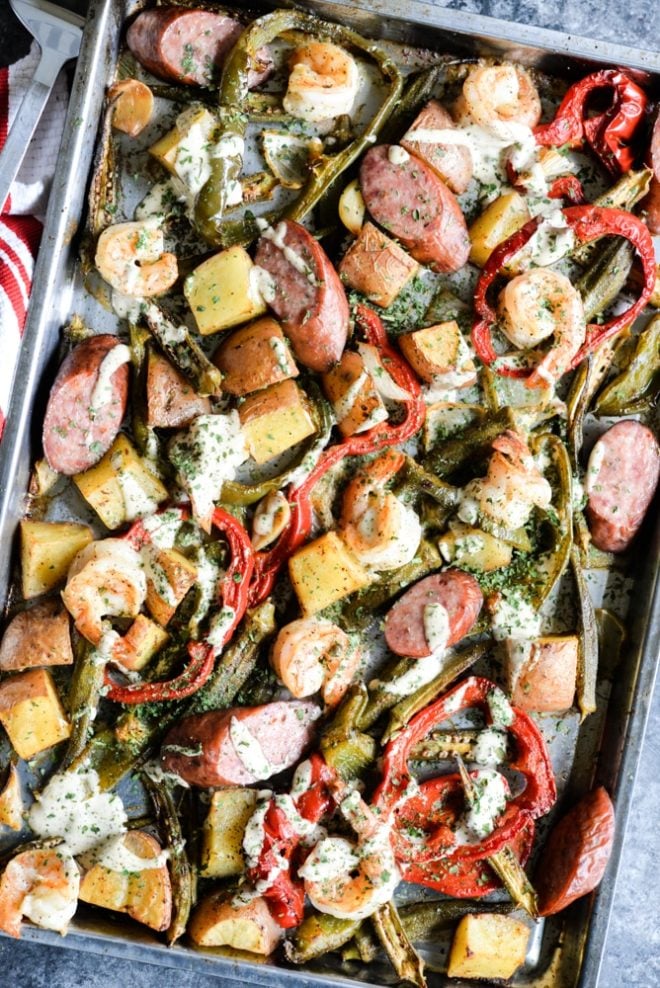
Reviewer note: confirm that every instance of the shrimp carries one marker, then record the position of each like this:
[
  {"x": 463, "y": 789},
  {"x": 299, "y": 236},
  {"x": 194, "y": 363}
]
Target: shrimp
[
  {"x": 511, "y": 487},
  {"x": 41, "y": 884},
  {"x": 352, "y": 879},
  {"x": 380, "y": 530},
  {"x": 539, "y": 304},
  {"x": 270, "y": 519},
  {"x": 106, "y": 579},
  {"x": 311, "y": 655},
  {"x": 323, "y": 82},
  {"x": 499, "y": 93},
  {"x": 131, "y": 257}
]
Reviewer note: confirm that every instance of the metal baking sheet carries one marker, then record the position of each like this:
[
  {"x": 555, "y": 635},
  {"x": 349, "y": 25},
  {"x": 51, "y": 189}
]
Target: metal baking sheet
[{"x": 566, "y": 952}]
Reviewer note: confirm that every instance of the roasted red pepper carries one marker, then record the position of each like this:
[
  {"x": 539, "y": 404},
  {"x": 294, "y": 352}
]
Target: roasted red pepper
[
  {"x": 424, "y": 814},
  {"x": 202, "y": 655},
  {"x": 588, "y": 223},
  {"x": 382, "y": 436},
  {"x": 285, "y": 893},
  {"x": 608, "y": 133}
]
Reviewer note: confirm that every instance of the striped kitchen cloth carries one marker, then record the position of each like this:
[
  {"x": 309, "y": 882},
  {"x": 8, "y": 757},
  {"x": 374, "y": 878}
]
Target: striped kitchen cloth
[{"x": 21, "y": 219}]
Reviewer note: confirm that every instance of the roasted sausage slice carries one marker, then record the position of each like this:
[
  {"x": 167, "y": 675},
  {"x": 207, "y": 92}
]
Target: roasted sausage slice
[
  {"x": 451, "y": 162},
  {"x": 457, "y": 591},
  {"x": 309, "y": 298},
  {"x": 77, "y": 429},
  {"x": 622, "y": 476},
  {"x": 188, "y": 46},
  {"x": 408, "y": 200},
  {"x": 651, "y": 203},
  {"x": 576, "y": 853},
  {"x": 240, "y": 746}
]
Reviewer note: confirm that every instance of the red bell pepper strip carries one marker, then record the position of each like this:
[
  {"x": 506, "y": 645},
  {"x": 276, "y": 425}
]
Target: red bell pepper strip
[
  {"x": 202, "y": 655},
  {"x": 381, "y": 436},
  {"x": 607, "y": 133},
  {"x": 435, "y": 804},
  {"x": 285, "y": 893},
  {"x": 568, "y": 187},
  {"x": 588, "y": 223}
]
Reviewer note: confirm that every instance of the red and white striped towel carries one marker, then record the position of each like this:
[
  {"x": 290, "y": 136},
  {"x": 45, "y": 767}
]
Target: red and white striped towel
[{"x": 20, "y": 222}]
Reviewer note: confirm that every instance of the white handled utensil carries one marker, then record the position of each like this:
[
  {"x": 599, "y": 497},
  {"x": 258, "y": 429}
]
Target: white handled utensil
[{"x": 58, "y": 33}]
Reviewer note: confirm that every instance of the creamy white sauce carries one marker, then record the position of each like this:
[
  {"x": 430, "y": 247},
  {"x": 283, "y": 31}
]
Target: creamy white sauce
[
  {"x": 383, "y": 382},
  {"x": 261, "y": 285},
  {"x": 170, "y": 334},
  {"x": 490, "y": 749},
  {"x": 330, "y": 859},
  {"x": 593, "y": 468},
  {"x": 421, "y": 672},
  {"x": 249, "y": 751},
  {"x": 136, "y": 500},
  {"x": 519, "y": 653},
  {"x": 468, "y": 509},
  {"x": 277, "y": 236},
  {"x": 219, "y": 626},
  {"x": 158, "y": 202},
  {"x": 501, "y": 711},
  {"x": 102, "y": 392},
  {"x": 281, "y": 352},
  {"x": 155, "y": 572},
  {"x": 206, "y": 455},
  {"x": 73, "y": 807},
  {"x": 268, "y": 511},
  {"x": 113, "y": 853},
  {"x": 514, "y": 617},
  {"x": 192, "y": 163},
  {"x": 436, "y": 626},
  {"x": 306, "y": 829},
  {"x": 491, "y": 790},
  {"x": 397, "y": 155},
  {"x": 302, "y": 779},
  {"x": 126, "y": 306},
  {"x": 163, "y": 528},
  {"x": 253, "y": 838},
  {"x": 343, "y": 406}
]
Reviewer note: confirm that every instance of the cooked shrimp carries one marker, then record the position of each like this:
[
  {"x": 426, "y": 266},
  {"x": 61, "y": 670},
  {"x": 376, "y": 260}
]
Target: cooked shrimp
[
  {"x": 311, "y": 655},
  {"x": 41, "y": 884},
  {"x": 347, "y": 879},
  {"x": 539, "y": 304},
  {"x": 131, "y": 257},
  {"x": 270, "y": 519},
  {"x": 106, "y": 579},
  {"x": 382, "y": 531},
  {"x": 511, "y": 488},
  {"x": 323, "y": 82},
  {"x": 501, "y": 94}
]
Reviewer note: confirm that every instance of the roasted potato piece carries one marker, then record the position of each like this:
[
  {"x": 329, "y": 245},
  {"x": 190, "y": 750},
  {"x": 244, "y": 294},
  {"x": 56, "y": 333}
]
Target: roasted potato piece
[
  {"x": 169, "y": 578},
  {"x": 31, "y": 712},
  {"x": 353, "y": 395},
  {"x": 132, "y": 105},
  {"x": 37, "y": 637},
  {"x": 545, "y": 681},
  {"x": 352, "y": 207},
  {"x": 498, "y": 221},
  {"x": 11, "y": 801},
  {"x": 221, "y": 293},
  {"x": 121, "y": 486},
  {"x": 141, "y": 642},
  {"x": 47, "y": 550},
  {"x": 255, "y": 357},
  {"x": 167, "y": 149},
  {"x": 172, "y": 402},
  {"x": 376, "y": 266},
  {"x": 145, "y": 895},
  {"x": 488, "y": 945},
  {"x": 274, "y": 420},
  {"x": 475, "y": 549},
  {"x": 222, "y": 834},
  {"x": 325, "y": 571},
  {"x": 216, "y": 922},
  {"x": 438, "y": 350}
]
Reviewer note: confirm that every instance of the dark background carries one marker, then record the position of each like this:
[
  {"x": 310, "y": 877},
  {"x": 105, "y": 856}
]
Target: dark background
[{"x": 632, "y": 958}]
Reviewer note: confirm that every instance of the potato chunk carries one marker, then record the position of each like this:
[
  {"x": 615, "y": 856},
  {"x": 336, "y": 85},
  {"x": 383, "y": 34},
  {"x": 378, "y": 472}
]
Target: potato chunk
[
  {"x": 47, "y": 551},
  {"x": 37, "y": 637},
  {"x": 376, "y": 266},
  {"x": 121, "y": 487},
  {"x": 221, "y": 291},
  {"x": 496, "y": 224},
  {"x": 141, "y": 642},
  {"x": 543, "y": 678},
  {"x": 352, "y": 207},
  {"x": 217, "y": 922},
  {"x": 172, "y": 402},
  {"x": 488, "y": 945},
  {"x": 439, "y": 350},
  {"x": 11, "y": 801},
  {"x": 324, "y": 571},
  {"x": 254, "y": 357},
  {"x": 169, "y": 578},
  {"x": 353, "y": 395},
  {"x": 31, "y": 712},
  {"x": 224, "y": 827},
  {"x": 274, "y": 420},
  {"x": 167, "y": 149},
  {"x": 475, "y": 549},
  {"x": 145, "y": 895}
]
